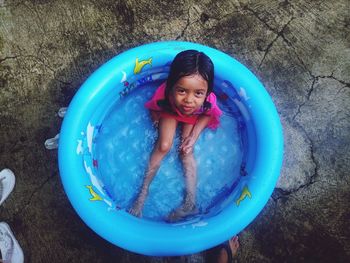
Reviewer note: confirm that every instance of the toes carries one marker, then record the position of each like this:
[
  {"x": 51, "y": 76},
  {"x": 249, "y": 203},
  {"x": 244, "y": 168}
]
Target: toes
[
  {"x": 135, "y": 212},
  {"x": 234, "y": 245}
]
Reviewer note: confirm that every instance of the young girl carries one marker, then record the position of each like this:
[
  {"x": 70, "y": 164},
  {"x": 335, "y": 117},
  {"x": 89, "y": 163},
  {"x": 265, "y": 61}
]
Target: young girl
[{"x": 187, "y": 98}]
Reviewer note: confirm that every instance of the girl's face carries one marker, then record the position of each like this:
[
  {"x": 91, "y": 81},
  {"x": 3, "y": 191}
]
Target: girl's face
[{"x": 190, "y": 93}]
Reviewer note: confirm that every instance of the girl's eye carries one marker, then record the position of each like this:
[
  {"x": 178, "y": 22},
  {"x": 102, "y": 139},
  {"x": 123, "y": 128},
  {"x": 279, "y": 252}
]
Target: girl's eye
[
  {"x": 181, "y": 91},
  {"x": 199, "y": 94}
]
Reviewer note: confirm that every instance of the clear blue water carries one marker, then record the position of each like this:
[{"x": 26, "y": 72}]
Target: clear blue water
[{"x": 124, "y": 144}]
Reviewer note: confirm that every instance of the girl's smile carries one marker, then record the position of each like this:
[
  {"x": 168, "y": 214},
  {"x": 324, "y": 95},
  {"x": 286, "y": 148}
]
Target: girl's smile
[{"x": 190, "y": 93}]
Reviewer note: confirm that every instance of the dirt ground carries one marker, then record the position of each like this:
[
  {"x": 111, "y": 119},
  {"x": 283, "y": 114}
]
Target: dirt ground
[{"x": 300, "y": 50}]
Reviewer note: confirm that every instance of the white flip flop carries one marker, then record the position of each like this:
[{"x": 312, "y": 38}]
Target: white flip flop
[
  {"x": 52, "y": 143},
  {"x": 7, "y": 183},
  {"x": 11, "y": 251}
]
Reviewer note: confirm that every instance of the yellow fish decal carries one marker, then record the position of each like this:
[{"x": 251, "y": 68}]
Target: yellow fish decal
[
  {"x": 140, "y": 64},
  {"x": 95, "y": 197},
  {"x": 244, "y": 194}
]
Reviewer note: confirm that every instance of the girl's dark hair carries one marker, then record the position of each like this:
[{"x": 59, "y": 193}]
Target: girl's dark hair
[{"x": 187, "y": 63}]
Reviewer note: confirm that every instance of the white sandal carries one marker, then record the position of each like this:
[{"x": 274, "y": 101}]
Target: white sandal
[
  {"x": 11, "y": 251},
  {"x": 7, "y": 183}
]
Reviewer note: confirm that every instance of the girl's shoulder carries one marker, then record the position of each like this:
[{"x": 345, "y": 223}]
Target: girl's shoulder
[
  {"x": 159, "y": 95},
  {"x": 160, "y": 91},
  {"x": 214, "y": 111},
  {"x": 211, "y": 98}
]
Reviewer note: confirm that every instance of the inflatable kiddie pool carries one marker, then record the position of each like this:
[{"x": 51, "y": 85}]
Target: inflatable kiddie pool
[{"x": 231, "y": 208}]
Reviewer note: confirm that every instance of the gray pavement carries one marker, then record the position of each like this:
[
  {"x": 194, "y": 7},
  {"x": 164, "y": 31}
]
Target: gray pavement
[{"x": 300, "y": 50}]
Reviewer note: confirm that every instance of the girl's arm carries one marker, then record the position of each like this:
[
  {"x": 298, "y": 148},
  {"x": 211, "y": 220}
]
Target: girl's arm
[
  {"x": 188, "y": 142},
  {"x": 200, "y": 125}
]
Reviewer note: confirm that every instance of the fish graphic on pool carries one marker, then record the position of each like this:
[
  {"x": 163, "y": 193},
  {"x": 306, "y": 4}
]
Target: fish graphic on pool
[
  {"x": 245, "y": 193},
  {"x": 95, "y": 196},
  {"x": 140, "y": 64}
]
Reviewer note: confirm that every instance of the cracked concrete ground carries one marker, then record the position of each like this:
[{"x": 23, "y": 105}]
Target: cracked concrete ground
[{"x": 300, "y": 50}]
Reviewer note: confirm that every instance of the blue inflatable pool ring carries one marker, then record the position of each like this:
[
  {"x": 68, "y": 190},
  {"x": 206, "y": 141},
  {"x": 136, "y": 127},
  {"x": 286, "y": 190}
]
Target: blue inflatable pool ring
[{"x": 231, "y": 208}]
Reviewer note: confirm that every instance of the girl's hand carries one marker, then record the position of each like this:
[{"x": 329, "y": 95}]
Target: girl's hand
[{"x": 187, "y": 144}]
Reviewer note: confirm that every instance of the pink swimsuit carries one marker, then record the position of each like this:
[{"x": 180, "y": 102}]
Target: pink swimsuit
[{"x": 214, "y": 111}]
